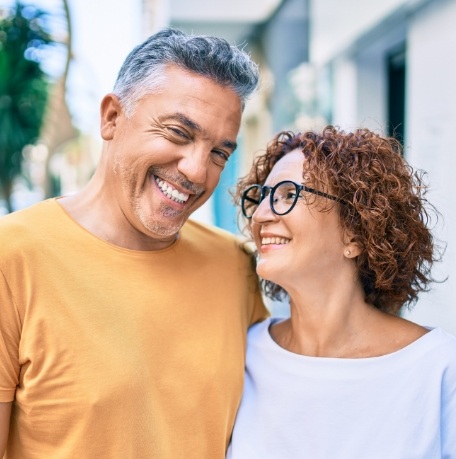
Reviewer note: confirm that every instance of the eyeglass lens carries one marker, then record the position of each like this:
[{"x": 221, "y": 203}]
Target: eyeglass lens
[
  {"x": 284, "y": 196},
  {"x": 250, "y": 200}
]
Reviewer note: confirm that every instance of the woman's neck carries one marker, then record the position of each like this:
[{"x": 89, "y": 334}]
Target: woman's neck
[{"x": 342, "y": 325}]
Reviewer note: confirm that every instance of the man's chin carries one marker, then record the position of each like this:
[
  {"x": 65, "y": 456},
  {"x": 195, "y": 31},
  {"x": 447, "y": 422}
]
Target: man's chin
[{"x": 164, "y": 229}]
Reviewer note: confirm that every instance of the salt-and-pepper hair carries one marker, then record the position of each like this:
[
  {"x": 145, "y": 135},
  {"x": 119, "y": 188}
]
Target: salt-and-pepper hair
[{"x": 143, "y": 71}]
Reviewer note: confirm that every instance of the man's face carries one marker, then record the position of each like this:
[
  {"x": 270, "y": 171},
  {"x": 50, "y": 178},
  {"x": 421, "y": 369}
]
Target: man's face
[{"x": 165, "y": 160}]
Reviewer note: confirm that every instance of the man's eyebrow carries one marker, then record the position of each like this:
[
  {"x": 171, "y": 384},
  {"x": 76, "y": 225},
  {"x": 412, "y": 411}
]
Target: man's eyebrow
[
  {"x": 185, "y": 120},
  {"x": 231, "y": 145}
]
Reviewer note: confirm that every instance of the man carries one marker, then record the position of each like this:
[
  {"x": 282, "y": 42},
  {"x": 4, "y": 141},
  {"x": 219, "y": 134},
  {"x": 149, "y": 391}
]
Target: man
[{"x": 123, "y": 326}]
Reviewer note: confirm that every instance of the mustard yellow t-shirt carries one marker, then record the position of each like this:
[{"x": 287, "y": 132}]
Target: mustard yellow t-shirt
[{"x": 114, "y": 353}]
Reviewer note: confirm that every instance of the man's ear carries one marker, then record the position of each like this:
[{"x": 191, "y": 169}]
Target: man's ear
[{"x": 110, "y": 111}]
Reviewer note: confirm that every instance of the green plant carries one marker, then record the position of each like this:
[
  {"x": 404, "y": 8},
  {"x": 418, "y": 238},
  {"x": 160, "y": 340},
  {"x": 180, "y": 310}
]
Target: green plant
[{"x": 23, "y": 88}]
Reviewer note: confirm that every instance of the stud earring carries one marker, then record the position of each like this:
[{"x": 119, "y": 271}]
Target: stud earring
[{"x": 347, "y": 252}]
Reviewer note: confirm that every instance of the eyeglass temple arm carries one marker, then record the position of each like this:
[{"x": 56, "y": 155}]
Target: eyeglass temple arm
[
  {"x": 321, "y": 193},
  {"x": 248, "y": 198}
]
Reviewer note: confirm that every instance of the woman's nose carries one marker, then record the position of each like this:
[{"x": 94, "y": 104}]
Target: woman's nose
[{"x": 263, "y": 212}]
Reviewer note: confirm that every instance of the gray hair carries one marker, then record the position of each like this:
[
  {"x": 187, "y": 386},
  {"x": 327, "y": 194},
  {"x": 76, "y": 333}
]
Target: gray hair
[{"x": 143, "y": 70}]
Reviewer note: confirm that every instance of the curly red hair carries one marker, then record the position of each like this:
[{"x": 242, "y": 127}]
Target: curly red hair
[{"x": 386, "y": 213}]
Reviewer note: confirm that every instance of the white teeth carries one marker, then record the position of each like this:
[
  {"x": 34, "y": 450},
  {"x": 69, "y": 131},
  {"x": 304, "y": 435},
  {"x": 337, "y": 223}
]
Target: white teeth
[
  {"x": 274, "y": 240},
  {"x": 171, "y": 192}
]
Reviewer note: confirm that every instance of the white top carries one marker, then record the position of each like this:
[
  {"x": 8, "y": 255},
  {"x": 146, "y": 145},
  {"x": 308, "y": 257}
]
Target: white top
[{"x": 397, "y": 406}]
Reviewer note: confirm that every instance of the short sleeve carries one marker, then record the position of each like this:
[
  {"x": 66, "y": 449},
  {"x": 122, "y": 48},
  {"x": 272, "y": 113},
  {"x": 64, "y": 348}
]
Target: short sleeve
[
  {"x": 259, "y": 310},
  {"x": 448, "y": 423},
  {"x": 10, "y": 332}
]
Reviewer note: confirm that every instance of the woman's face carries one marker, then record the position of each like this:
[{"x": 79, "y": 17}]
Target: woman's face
[{"x": 305, "y": 244}]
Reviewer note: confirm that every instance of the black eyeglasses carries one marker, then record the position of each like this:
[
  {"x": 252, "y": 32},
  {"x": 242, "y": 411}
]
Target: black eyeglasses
[{"x": 283, "y": 197}]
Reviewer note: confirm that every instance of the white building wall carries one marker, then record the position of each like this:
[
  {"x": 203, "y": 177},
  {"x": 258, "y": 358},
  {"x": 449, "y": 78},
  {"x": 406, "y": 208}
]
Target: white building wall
[
  {"x": 360, "y": 78},
  {"x": 359, "y": 91},
  {"x": 336, "y": 24},
  {"x": 372, "y": 91},
  {"x": 431, "y": 121},
  {"x": 156, "y": 15},
  {"x": 345, "y": 94}
]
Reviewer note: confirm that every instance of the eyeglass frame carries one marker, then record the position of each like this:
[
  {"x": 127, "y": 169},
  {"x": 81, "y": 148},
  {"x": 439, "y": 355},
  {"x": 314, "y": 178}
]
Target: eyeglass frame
[{"x": 299, "y": 188}]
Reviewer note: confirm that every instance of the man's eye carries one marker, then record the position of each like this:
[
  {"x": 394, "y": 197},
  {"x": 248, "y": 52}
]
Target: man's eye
[
  {"x": 220, "y": 157},
  {"x": 179, "y": 132}
]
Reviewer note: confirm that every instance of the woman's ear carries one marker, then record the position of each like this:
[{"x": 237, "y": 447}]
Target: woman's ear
[
  {"x": 110, "y": 111},
  {"x": 351, "y": 248},
  {"x": 351, "y": 253}
]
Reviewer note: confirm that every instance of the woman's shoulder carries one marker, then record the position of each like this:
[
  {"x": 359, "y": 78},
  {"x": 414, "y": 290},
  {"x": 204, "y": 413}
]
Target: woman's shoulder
[
  {"x": 259, "y": 336},
  {"x": 259, "y": 328},
  {"x": 444, "y": 340},
  {"x": 431, "y": 346},
  {"x": 390, "y": 334},
  {"x": 260, "y": 342}
]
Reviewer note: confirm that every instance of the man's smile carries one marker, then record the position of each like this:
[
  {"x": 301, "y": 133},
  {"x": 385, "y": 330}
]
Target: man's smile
[{"x": 171, "y": 192}]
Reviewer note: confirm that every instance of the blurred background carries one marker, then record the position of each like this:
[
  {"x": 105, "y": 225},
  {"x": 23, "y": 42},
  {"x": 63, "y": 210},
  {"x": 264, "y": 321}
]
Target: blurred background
[{"x": 389, "y": 66}]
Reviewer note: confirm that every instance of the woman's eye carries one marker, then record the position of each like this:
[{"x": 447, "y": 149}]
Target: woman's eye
[{"x": 289, "y": 195}]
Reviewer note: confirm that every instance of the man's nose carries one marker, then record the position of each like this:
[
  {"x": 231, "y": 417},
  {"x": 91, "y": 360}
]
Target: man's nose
[{"x": 194, "y": 164}]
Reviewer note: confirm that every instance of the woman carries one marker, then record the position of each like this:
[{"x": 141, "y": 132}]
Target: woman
[{"x": 340, "y": 222}]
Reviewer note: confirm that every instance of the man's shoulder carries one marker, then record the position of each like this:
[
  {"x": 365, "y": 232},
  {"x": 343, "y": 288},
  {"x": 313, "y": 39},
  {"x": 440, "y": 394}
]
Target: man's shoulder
[
  {"x": 199, "y": 231},
  {"x": 24, "y": 216},
  {"x": 205, "y": 235},
  {"x": 25, "y": 223}
]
